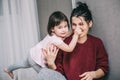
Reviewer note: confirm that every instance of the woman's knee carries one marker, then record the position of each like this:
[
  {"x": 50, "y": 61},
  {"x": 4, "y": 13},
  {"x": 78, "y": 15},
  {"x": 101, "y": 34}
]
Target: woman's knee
[{"x": 49, "y": 74}]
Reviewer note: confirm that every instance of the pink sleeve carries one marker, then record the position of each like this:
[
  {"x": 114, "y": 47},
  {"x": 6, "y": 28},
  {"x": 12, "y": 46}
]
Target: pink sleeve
[{"x": 56, "y": 40}]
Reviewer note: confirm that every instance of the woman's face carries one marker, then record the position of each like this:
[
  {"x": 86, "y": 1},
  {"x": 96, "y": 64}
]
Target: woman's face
[{"x": 82, "y": 24}]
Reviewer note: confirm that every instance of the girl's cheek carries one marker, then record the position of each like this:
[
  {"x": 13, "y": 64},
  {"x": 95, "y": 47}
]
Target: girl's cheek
[{"x": 73, "y": 27}]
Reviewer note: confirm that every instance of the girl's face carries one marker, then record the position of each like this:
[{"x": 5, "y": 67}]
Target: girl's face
[
  {"x": 82, "y": 24},
  {"x": 61, "y": 30}
]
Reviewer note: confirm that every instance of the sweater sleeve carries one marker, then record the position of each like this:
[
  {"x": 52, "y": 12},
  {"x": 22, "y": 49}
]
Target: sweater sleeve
[
  {"x": 102, "y": 57},
  {"x": 58, "y": 62}
]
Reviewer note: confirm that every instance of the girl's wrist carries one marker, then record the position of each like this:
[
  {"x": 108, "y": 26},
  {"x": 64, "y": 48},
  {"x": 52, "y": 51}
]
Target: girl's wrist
[{"x": 75, "y": 35}]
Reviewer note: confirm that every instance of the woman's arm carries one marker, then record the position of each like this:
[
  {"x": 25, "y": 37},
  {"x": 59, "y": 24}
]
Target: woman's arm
[
  {"x": 92, "y": 75},
  {"x": 50, "y": 55}
]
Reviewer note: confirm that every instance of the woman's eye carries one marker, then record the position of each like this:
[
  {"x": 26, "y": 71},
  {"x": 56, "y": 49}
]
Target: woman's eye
[{"x": 73, "y": 24}]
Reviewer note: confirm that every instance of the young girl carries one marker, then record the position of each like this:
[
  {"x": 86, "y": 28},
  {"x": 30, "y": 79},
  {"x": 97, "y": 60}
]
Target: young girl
[{"x": 58, "y": 30}]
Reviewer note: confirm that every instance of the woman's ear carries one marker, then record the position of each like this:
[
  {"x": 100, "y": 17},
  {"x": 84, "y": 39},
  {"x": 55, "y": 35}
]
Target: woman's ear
[{"x": 90, "y": 23}]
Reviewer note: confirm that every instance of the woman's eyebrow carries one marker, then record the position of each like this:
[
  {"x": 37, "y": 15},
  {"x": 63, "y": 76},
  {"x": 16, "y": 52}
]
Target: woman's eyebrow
[{"x": 81, "y": 19}]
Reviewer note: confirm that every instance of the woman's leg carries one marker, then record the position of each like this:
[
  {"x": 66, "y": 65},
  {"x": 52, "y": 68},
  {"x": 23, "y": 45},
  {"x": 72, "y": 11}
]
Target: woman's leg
[{"x": 49, "y": 74}]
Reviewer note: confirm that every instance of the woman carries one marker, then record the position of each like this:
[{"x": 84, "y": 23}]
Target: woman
[{"x": 88, "y": 60}]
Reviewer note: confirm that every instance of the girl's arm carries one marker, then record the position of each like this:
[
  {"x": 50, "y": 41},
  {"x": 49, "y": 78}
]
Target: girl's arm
[{"x": 72, "y": 44}]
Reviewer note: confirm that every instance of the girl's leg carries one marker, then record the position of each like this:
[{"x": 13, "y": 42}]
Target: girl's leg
[
  {"x": 9, "y": 73},
  {"x": 34, "y": 65},
  {"x": 49, "y": 74},
  {"x": 11, "y": 68}
]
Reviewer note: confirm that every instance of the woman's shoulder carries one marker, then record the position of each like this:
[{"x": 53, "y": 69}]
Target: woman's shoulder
[{"x": 94, "y": 39}]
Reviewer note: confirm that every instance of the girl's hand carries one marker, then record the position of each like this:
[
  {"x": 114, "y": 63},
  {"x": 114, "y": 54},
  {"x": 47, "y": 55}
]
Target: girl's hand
[
  {"x": 88, "y": 75},
  {"x": 77, "y": 31},
  {"x": 50, "y": 55}
]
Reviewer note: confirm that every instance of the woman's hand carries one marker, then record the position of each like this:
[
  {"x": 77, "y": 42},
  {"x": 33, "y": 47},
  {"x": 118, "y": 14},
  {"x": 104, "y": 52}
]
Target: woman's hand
[
  {"x": 92, "y": 75},
  {"x": 88, "y": 75},
  {"x": 50, "y": 55}
]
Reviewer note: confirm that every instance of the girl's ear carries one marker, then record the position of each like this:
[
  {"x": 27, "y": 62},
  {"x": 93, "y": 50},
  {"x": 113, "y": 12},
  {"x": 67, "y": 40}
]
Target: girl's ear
[
  {"x": 90, "y": 23},
  {"x": 52, "y": 29}
]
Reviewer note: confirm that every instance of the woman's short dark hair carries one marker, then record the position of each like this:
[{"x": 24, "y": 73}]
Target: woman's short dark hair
[
  {"x": 55, "y": 19},
  {"x": 83, "y": 11}
]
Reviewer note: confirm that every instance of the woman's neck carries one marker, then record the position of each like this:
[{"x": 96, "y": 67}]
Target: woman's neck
[{"x": 82, "y": 39}]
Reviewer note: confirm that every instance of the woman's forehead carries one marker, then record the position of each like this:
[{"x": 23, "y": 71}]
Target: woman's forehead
[{"x": 80, "y": 19}]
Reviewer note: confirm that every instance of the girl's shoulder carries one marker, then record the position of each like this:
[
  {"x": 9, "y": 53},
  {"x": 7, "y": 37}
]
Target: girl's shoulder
[
  {"x": 51, "y": 37},
  {"x": 56, "y": 40}
]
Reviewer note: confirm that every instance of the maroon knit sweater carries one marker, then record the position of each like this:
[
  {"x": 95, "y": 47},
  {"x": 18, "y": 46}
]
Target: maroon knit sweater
[{"x": 88, "y": 56}]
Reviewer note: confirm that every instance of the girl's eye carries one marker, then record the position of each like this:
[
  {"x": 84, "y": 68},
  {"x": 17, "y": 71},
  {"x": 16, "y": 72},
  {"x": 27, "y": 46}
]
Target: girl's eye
[
  {"x": 65, "y": 26},
  {"x": 59, "y": 27},
  {"x": 81, "y": 24}
]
